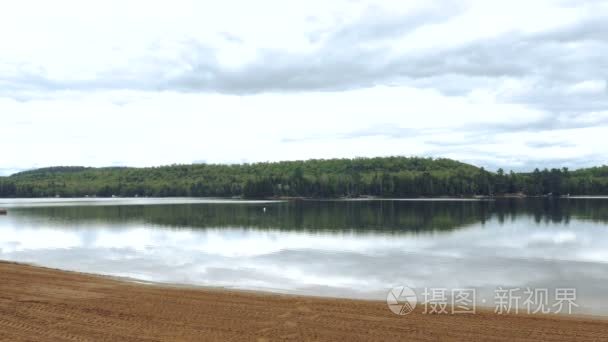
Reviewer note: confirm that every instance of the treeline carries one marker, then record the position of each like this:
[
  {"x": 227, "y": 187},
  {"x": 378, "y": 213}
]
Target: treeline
[{"x": 333, "y": 178}]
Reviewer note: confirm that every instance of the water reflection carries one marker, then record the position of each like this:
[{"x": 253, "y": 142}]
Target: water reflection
[
  {"x": 395, "y": 216},
  {"x": 338, "y": 248}
]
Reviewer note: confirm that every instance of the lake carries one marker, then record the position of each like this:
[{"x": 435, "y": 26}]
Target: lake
[{"x": 341, "y": 248}]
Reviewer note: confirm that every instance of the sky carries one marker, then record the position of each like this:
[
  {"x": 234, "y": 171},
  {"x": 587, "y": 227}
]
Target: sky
[{"x": 511, "y": 84}]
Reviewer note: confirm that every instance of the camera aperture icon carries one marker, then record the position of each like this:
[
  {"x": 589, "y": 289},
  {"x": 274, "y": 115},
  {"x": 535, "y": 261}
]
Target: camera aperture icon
[{"x": 401, "y": 300}]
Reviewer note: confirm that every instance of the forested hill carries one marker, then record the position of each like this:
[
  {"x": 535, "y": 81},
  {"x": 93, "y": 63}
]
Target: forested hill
[{"x": 385, "y": 177}]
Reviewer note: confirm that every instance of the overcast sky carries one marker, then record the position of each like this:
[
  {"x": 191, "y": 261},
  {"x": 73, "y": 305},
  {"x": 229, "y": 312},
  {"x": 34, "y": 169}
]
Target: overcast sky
[{"x": 512, "y": 84}]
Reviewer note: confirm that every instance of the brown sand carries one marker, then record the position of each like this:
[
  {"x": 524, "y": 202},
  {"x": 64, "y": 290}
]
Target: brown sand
[{"x": 39, "y": 304}]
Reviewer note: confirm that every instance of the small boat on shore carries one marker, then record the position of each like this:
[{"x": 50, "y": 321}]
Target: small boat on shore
[{"x": 3, "y": 211}]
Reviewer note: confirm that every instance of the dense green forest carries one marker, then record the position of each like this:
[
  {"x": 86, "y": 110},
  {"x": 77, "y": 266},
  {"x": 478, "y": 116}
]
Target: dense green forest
[{"x": 331, "y": 178}]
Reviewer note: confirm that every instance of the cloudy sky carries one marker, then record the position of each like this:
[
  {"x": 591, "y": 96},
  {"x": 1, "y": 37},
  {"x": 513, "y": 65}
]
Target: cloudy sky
[{"x": 512, "y": 84}]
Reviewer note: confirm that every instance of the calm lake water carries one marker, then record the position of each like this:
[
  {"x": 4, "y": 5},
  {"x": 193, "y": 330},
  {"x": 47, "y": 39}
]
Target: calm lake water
[{"x": 357, "y": 249}]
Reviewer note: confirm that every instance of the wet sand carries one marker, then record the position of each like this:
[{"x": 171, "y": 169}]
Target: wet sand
[{"x": 40, "y": 304}]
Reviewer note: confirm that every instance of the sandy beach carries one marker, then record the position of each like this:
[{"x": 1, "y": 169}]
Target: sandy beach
[{"x": 41, "y": 304}]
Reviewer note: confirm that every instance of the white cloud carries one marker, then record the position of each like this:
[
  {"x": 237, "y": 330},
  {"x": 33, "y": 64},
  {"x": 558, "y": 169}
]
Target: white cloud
[
  {"x": 147, "y": 83},
  {"x": 590, "y": 86}
]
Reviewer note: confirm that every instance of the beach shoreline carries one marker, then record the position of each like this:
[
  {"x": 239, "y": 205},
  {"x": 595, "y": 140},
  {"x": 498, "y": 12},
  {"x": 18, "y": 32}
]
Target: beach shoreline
[{"x": 40, "y": 304}]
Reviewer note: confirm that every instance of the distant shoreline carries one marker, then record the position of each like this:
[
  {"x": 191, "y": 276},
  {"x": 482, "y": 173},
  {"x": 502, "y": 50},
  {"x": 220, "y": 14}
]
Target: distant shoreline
[
  {"x": 387, "y": 177},
  {"x": 293, "y": 198}
]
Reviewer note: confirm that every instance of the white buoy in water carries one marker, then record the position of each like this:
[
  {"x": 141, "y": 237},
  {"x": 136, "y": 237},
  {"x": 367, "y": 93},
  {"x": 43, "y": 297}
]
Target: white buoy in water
[{"x": 264, "y": 210}]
